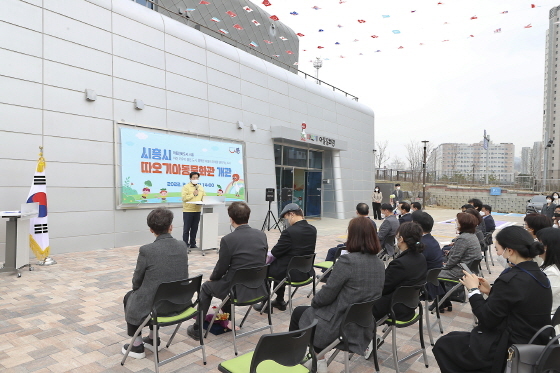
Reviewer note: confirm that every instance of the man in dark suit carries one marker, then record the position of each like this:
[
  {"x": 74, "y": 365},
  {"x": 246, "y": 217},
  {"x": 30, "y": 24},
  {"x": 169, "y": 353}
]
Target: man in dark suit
[
  {"x": 245, "y": 247},
  {"x": 432, "y": 250},
  {"x": 388, "y": 229},
  {"x": 405, "y": 212},
  {"x": 297, "y": 240},
  {"x": 164, "y": 260},
  {"x": 488, "y": 218},
  {"x": 398, "y": 195}
]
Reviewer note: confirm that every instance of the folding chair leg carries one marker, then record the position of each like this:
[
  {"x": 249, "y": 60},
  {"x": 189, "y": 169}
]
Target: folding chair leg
[
  {"x": 331, "y": 358},
  {"x": 394, "y": 339},
  {"x": 272, "y": 292},
  {"x": 136, "y": 334},
  {"x": 422, "y": 341},
  {"x": 290, "y": 297},
  {"x": 156, "y": 352},
  {"x": 491, "y": 258},
  {"x": 346, "y": 367},
  {"x": 173, "y": 335},
  {"x": 319, "y": 280},
  {"x": 487, "y": 264},
  {"x": 245, "y": 317},
  {"x": 374, "y": 352},
  {"x": 233, "y": 328},
  {"x": 428, "y": 324}
]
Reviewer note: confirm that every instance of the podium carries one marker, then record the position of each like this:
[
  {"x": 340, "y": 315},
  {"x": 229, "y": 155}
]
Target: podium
[
  {"x": 17, "y": 237},
  {"x": 208, "y": 223}
]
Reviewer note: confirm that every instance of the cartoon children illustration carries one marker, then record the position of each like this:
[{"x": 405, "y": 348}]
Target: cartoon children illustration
[
  {"x": 163, "y": 194},
  {"x": 236, "y": 184},
  {"x": 146, "y": 190},
  {"x": 220, "y": 191}
]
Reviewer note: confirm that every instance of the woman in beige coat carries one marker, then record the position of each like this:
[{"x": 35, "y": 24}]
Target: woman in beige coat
[{"x": 376, "y": 198}]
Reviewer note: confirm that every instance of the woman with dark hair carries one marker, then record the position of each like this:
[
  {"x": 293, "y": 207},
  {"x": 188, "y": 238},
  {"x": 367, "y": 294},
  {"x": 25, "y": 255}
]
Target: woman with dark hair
[
  {"x": 376, "y": 198},
  {"x": 548, "y": 207},
  {"x": 550, "y": 238},
  {"x": 409, "y": 268},
  {"x": 555, "y": 198},
  {"x": 356, "y": 277},
  {"x": 535, "y": 222},
  {"x": 518, "y": 305}
]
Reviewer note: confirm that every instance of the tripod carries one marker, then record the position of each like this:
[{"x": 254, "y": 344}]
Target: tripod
[{"x": 268, "y": 221}]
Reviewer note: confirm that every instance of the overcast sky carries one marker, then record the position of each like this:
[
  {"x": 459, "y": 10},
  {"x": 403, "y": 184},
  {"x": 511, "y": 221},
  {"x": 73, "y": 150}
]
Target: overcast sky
[{"x": 439, "y": 91}]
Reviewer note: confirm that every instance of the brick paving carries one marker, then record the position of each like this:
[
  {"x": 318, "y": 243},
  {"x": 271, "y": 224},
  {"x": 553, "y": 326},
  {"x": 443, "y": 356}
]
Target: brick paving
[{"x": 69, "y": 317}]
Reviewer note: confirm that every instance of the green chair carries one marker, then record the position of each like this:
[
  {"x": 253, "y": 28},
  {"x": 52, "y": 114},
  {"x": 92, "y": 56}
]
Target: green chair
[
  {"x": 303, "y": 264},
  {"x": 432, "y": 278},
  {"x": 408, "y": 296},
  {"x": 246, "y": 279},
  {"x": 280, "y": 352},
  {"x": 328, "y": 266},
  {"x": 173, "y": 305}
]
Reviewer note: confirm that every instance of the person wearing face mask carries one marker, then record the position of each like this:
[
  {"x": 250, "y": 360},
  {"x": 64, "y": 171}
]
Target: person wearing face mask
[
  {"x": 517, "y": 306},
  {"x": 548, "y": 207},
  {"x": 298, "y": 239},
  {"x": 376, "y": 198},
  {"x": 399, "y": 196},
  {"x": 555, "y": 199},
  {"x": 489, "y": 222},
  {"x": 191, "y": 192},
  {"x": 556, "y": 217},
  {"x": 404, "y": 212},
  {"x": 245, "y": 247}
]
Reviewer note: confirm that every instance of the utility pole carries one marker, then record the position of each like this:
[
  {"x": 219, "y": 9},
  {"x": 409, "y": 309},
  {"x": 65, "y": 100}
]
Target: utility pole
[
  {"x": 424, "y": 174},
  {"x": 486, "y": 145},
  {"x": 547, "y": 146}
]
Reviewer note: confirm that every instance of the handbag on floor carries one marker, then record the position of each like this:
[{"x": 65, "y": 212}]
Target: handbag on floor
[{"x": 527, "y": 358}]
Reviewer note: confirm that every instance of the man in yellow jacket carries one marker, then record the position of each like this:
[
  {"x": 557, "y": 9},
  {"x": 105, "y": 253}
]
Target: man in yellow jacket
[{"x": 192, "y": 192}]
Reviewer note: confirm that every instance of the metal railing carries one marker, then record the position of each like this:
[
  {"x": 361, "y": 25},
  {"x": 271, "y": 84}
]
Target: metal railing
[{"x": 215, "y": 34}]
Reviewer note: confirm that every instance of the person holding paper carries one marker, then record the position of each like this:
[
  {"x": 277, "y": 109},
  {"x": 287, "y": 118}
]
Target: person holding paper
[{"x": 191, "y": 192}]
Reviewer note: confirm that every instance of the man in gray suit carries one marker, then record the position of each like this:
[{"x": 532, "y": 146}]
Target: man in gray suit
[
  {"x": 164, "y": 260},
  {"x": 388, "y": 229},
  {"x": 245, "y": 247}
]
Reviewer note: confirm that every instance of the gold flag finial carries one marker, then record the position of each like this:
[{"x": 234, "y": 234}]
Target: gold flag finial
[{"x": 41, "y": 164}]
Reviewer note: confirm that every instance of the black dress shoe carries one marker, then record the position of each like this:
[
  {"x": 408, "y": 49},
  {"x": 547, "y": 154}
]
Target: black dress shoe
[
  {"x": 281, "y": 305},
  {"x": 193, "y": 331}
]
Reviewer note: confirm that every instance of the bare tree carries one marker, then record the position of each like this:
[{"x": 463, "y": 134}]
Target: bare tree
[
  {"x": 382, "y": 154},
  {"x": 396, "y": 163},
  {"x": 453, "y": 155}
]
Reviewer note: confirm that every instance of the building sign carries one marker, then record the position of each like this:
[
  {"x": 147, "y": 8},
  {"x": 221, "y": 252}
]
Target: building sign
[
  {"x": 316, "y": 140},
  {"x": 327, "y": 141},
  {"x": 155, "y": 165}
]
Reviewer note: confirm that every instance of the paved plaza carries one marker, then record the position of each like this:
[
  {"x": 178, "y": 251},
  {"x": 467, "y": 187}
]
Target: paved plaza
[{"x": 69, "y": 317}]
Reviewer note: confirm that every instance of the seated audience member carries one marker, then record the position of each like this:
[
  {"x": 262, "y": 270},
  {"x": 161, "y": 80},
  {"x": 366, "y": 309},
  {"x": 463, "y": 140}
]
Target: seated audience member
[
  {"x": 535, "y": 222},
  {"x": 549, "y": 207},
  {"x": 479, "y": 232},
  {"x": 362, "y": 210},
  {"x": 297, "y": 240},
  {"x": 550, "y": 238},
  {"x": 518, "y": 305},
  {"x": 477, "y": 204},
  {"x": 404, "y": 210},
  {"x": 416, "y": 206},
  {"x": 245, "y": 247},
  {"x": 466, "y": 207},
  {"x": 556, "y": 217},
  {"x": 388, "y": 229},
  {"x": 164, "y": 260},
  {"x": 432, "y": 250},
  {"x": 356, "y": 277},
  {"x": 488, "y": 218},
  {"x": 409, "y": 268},
  {"x": 465, "y": 250}
]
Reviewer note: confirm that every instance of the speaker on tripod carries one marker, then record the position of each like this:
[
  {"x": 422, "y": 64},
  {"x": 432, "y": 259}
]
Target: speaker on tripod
[{"x": 269, "y": 197}]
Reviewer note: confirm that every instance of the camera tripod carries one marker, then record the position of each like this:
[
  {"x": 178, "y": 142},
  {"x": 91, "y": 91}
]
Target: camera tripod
[{"x": 268, "y": 220}]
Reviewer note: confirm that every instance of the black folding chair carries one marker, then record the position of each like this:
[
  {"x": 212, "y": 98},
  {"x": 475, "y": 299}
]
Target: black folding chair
[
  {"x": 384, "y": 255},
  {"x": 173, "y": 305},
  {"x": 361, "y": 315},
  {"x": 303, "y": 264},
  {"x": 432, "y": 278},
  {"x": 556, "y": 318},
  {"x": 328, "y": 266},
  {"x": 408, "y": 296},
  {"x": 246, "y": 278},
  {"x": 287, "y": 349}
]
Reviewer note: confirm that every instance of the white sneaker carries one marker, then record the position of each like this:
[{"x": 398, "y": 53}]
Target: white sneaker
[{"x": 369, "y": 350}]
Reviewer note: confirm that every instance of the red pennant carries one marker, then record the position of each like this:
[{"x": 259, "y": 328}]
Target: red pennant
[
  {"x": 274, "y": 18},
  {"x": 266, "y": 3}
]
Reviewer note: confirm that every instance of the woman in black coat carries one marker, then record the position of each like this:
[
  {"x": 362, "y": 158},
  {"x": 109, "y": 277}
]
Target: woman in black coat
[{"x": 518, "y": 305}]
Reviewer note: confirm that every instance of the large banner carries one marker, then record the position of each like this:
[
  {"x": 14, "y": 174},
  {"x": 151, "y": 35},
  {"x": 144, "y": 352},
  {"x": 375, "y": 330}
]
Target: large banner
[{"x": 155, "y": 165}]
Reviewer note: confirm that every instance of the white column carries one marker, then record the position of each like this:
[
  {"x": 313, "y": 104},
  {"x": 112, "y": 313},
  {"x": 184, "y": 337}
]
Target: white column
[{"x": 337, "y": 173}]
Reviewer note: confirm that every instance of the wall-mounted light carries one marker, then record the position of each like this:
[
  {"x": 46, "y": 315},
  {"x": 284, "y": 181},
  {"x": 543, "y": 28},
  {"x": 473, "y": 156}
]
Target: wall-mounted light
[
  {"x": 239, "y": 124},
  {"x": 91, "y": 95},
  {"x": 253, "y": 127},
  {"x": 139, "y": 104}
]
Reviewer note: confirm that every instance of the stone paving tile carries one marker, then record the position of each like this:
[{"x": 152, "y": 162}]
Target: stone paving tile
[{"x": 69, "y": 317}]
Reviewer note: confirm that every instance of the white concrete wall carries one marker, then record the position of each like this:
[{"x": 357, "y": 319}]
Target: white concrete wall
[{"x": 52, "y": 50}]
